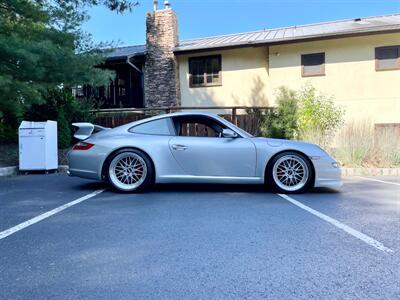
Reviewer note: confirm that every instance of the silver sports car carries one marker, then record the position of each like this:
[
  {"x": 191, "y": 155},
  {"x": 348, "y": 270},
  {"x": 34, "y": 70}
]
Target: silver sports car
[{"x": 196, "y": 147}]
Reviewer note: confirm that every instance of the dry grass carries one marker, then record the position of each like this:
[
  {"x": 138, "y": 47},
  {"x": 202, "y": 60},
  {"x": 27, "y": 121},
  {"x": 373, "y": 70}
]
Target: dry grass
[
  {"x": 359, "y": 145},
  {"x": 318, "y": 137}
]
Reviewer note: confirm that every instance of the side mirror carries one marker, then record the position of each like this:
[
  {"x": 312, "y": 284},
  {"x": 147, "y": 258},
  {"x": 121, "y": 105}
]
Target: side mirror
[{"x": 228, "y": 133}]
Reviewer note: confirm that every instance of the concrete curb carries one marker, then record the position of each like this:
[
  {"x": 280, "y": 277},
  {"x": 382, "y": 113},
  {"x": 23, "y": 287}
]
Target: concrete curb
[
  {"x": 13, "y": 170},
  {"x": 371, "y": 171},
  {"x": 62, "y": 168},
  {"x": 9, "y": 171}
]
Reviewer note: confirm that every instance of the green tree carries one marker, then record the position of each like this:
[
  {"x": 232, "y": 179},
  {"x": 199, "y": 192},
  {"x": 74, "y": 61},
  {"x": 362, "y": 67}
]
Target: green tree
[{"x": 42, "y": 48}]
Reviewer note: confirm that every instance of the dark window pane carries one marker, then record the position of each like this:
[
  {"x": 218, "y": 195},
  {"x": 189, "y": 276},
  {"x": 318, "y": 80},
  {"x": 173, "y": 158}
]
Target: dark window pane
[
  {"x": 205, "y": 70},
  {"x": 197, "y": 67},
  {"x": 388, "y": 53},
  {"x": 198, "y": 79},
  {"x": 387, "y": 58},
  {"x": 313, "y": 64},
  {"x": 216, "y": 65},
  {"x": 198, "y": 127}
]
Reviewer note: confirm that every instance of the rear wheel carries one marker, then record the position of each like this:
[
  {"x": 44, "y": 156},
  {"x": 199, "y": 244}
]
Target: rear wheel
[
  {"x": 130, "y": 170},
  {"x": 290, "y": 172}
]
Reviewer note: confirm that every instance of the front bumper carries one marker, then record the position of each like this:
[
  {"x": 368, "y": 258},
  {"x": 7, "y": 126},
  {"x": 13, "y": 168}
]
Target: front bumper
[{"x": 326, "y": 175}]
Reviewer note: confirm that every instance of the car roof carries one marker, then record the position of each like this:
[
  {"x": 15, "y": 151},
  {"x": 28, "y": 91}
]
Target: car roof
[
  {"x": 186, "y": 113},
  {"x": 174, "y": 114}
]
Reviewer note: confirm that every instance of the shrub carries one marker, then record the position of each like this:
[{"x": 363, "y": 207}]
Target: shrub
[
  {"x": 64, "y": 131},
  {"x": 62, "y": 107},
  {"x": 281, "y": 122},
  {"x": 318, "y": 117},
  {"x": 305, "y": 114}
]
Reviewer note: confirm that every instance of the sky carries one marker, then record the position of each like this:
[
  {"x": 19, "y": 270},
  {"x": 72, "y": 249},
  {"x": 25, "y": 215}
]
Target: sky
[{"x": 202, "y": 18}]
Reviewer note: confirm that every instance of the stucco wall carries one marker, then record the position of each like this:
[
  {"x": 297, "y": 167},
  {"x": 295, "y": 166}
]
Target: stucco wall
[
  {"x": 244, "y": 80},
  {"x": 349, "y": 75},
  {"x": 251, "y": 76}
]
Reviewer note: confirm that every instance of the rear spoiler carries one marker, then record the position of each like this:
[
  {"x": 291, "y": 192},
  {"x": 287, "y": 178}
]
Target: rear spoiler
[{"x": 85, "y": 130}]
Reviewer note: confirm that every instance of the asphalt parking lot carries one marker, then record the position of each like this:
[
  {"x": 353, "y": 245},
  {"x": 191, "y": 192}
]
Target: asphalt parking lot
[{"x": 198, "y": 241}]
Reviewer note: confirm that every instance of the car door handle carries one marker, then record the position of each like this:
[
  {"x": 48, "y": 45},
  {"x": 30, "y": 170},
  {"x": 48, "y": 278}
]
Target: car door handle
[{"x": 179, "y": 147}]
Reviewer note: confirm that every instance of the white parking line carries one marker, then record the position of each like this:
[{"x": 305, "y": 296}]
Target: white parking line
[
  {"x": 41, "y": 217},
  {"x": 361, "y": 236},
  {"x": 377, "y": 180}
]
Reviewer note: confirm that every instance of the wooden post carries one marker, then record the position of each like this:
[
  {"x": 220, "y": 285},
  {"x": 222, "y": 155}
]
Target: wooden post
[{"x": 234, "y": 115}]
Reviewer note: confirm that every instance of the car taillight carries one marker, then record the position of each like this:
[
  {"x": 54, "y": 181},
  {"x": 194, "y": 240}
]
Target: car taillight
[{"x": 82, "y": 146}]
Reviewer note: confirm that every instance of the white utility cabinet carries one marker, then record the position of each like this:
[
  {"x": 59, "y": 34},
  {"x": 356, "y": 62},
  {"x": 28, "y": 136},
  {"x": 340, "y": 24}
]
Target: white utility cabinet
[{"x": 38, "y": 146}]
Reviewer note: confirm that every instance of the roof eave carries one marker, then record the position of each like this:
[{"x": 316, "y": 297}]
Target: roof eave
[
  {"x": 358, "y": 32},
  {"x": 121, "y": 57}
]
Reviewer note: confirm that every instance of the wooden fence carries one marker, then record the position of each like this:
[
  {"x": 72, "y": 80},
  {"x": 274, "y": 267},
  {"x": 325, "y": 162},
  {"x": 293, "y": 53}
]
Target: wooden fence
[
  {"x": 248, "y": 120},
  {"x": 387, "y": 129}
]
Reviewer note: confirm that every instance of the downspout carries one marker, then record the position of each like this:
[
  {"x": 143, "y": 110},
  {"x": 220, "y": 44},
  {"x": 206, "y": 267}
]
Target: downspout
[
  {"x": 140, "y": 72},
  {"x": 132, "y": 65}
]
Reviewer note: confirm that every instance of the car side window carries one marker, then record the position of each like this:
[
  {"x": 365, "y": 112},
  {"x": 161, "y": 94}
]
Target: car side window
[
  {"x": 156, "y": 127},
  {"x": 198, "y": 126}
]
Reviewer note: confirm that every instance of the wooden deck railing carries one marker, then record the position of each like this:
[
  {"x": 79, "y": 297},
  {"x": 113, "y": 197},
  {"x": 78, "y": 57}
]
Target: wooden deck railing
[{"x": 144, "y": 112}]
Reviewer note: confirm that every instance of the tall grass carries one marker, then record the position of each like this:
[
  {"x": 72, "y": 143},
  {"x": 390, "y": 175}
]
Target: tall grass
[
  {"x": 388, "y": 147},
  {"x": 359, "y": 145}
]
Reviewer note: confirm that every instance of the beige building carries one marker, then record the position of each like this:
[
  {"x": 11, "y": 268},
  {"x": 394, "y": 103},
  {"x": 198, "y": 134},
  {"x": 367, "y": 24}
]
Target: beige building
[
  {"x": 356, "y": 61},
  {"x": 361, "y": 71},
  {"x": 349, "y": 72}
]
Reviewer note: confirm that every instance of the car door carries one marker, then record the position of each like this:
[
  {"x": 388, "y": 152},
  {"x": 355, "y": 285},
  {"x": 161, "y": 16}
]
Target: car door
[{"x": 213, "y": 155}]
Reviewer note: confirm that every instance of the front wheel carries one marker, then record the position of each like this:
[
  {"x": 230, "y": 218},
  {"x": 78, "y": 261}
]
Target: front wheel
[
  {"x": 290, "y": 172},
  {"x": 130, "y": 170}
]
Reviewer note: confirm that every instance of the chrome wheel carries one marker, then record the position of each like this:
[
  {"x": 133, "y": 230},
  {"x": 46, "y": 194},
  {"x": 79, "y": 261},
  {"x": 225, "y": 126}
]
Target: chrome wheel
[
  {"x": 127, "y": 171},
  {"x": 290, "y": 173}
]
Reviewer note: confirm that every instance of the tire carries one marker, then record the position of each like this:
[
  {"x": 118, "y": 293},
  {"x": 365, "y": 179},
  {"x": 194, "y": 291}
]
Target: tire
[
  {"x": 290, "y": 172},
  {"x": 130, "y": 170}
]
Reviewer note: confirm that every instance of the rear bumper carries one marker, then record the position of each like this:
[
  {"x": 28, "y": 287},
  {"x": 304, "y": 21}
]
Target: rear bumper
[
  {"x": 83, "y": 174},
  {"x": 85, "y": 164}
]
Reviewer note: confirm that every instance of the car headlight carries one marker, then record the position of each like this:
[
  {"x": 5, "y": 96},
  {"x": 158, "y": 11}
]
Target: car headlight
[{"x": 335, "y": 165}]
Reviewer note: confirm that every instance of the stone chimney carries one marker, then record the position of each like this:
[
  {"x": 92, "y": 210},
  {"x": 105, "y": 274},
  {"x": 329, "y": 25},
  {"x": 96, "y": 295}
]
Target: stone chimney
[{"x": 161, "y": 76}]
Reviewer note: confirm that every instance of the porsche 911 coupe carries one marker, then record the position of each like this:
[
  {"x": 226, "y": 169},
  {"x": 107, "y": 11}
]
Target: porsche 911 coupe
[{"x": 196, "y": 147}]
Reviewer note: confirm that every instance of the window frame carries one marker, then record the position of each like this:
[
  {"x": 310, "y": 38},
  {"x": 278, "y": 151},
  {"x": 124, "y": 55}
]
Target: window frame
[
  {"x": 321, "y": 73},
  {"x": 176, "y": 119},
  {"x": 378, "y": 68},
  {"x": 205, "y": 84},
  {"x": 170, "y": 125}
]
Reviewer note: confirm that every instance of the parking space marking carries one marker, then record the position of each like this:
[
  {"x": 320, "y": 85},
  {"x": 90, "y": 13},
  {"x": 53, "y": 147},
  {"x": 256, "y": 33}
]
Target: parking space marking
[
  {"x": 357, "y": 234},
  {"x": 12, "y": 230},
  {"x": 378, "y": 180}
]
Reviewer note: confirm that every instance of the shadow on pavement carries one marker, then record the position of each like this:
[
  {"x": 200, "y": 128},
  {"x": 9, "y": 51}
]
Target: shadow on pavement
[
  {"x": 206, "y": 188},
  {"x": 198, "y": 188},
  {"x": 322, "y": 190}
]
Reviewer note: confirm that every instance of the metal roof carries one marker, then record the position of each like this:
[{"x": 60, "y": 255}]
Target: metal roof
[
  {"x": 295, "y": 33},
  {"x": 124, "y": 52},
  {"x": 332, "y": 29}
]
